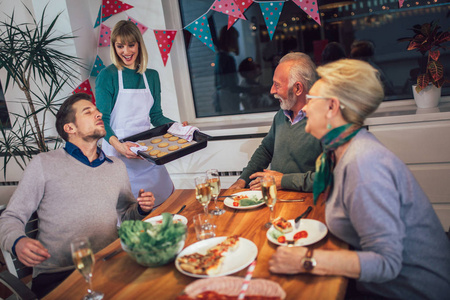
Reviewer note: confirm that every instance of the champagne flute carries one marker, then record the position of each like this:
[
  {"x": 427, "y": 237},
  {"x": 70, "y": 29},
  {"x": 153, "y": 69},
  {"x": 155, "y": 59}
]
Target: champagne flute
[
  {"x": 203, "y": 192},
  {"x": 269, "y": 192},
  {"x": 214, "y": 182},
  {"x": 84, "y": 261}
]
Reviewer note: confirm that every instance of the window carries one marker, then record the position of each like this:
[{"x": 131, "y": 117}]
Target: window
[{"x": 236, "y": 79}]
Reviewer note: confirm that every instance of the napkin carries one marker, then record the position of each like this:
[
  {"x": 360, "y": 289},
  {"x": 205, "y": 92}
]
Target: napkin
[
  {"x": 185, "y": 132},
  {"x": 138, "y": 148}
]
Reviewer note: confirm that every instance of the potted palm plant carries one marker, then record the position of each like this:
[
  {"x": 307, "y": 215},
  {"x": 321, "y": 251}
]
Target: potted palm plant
[
  {"x": 29, "y": 54},
  {"x": 428, "y": 39}
]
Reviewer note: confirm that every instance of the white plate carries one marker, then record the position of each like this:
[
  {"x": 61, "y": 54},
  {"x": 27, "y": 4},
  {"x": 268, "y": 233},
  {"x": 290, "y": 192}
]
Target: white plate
[
  {"x": 316, "y": 231},
  {"x": 229, "y": 201},
  {"x": 158, "y": 219},
  {"x": 233, "y": 262}
]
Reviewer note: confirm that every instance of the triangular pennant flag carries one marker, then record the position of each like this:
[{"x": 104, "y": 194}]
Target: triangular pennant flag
[
  {"x": 271, "y": 12},
  {"x": 228, "y": 7},
  {"x": 100, "y": 17},
  {"x": 110, "y": 7},
  {"x": 400, "y": 3},
  {"x": 85, "y": 87},
  {"x": 104, "y": 38},
  {"x": 309, "y": 7},
  {"x": 98, "y": 66},
  {"x": 164, "y": 40},
  {"x": 243, "y": 5},
  {"x": 200, "y": 29},
  {"x": 142, "y": 28}
]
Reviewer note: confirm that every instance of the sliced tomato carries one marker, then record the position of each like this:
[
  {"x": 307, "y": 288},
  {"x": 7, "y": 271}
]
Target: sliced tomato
[
  {"x": 300, "y": 235},
  {"x": 236, "y": 203},
  {"x": 281, "y": 239}
]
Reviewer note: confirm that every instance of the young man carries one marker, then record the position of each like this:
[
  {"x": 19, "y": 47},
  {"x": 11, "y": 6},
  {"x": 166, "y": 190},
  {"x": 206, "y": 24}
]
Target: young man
[
  {"x": 76, "y": 191},
  {"x": 289, "y": 150}
]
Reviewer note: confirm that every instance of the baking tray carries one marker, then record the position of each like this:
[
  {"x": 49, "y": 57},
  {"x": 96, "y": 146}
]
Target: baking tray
[{"x": 199, "y": 141}]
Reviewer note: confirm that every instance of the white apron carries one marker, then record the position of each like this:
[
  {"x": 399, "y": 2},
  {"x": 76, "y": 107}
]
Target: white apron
[{"x": 129, "y": 116}]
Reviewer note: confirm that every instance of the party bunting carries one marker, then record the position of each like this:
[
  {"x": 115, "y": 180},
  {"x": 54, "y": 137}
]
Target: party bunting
[
  {"x": 228, "y": 7},
  {"x": 98, "y": 66},
  {"x": 400, "y": 3},
  {"x": 309, "y": 7},
  {"x": 271, "y": 12},
  {"x": 243, "y": 5},
  {"x": 142, "y": 27},
  {"x": 85, "y": 87},
  {"x": 164, "y": 40},
  {"x": 100, "y": 17},
  {"x": 200, "y": 29},
  {"x": 112, "y": 7},
  {"x": 105, "y": 36}
]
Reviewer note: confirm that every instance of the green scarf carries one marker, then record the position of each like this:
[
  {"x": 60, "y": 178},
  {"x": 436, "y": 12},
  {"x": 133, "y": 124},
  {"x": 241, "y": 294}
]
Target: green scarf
[{"x": 325, "y": 162}]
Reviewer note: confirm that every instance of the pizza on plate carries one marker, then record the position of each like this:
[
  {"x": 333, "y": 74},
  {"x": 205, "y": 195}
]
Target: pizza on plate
[
  {"x": 211, "y": 262},
  {"x": 281, "y": 224}
]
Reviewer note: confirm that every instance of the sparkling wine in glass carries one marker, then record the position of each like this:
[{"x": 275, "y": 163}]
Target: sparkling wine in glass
[
  {"x": 84, "y": 261},
  {"x": 269, "y": 193},
  {"x": 214, "y": 182},
  {"x": 203, "y": 191}
]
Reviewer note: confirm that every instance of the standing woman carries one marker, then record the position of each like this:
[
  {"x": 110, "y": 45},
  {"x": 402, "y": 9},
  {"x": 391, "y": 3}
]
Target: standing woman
[
  {"x": 373, "y": 202},
  {"x": 129, "y": 97}
]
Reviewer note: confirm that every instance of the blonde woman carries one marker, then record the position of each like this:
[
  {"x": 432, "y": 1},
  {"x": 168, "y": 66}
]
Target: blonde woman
[
  {"x": 372, "y": 200},
  {"x": 129, "y": 97}
]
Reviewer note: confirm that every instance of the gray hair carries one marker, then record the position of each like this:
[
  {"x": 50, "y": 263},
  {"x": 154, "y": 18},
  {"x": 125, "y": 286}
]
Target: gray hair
[{"x": 302, "y": 69}]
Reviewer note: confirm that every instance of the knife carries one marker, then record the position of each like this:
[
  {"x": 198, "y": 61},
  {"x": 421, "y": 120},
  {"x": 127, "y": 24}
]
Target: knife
[
  {"x": 303, "y": 215},
  {"x": 110, "y": 255},
  {"x": 181, "y": 209},
  {"x": 291, "y": 200}
]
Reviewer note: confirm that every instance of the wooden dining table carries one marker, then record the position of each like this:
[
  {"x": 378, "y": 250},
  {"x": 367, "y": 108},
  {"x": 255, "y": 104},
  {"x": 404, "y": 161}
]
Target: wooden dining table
[{"x": 120, "y": 277}]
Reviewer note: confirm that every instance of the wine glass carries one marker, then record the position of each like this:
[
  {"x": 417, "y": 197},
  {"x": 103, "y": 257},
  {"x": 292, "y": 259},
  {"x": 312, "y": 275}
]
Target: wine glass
[
  {"x": 203, "y": 192},
  {"x": 84, "y": 261},
  {"x": 214, "y": 182},
  {"x": 269, "y": 193}
]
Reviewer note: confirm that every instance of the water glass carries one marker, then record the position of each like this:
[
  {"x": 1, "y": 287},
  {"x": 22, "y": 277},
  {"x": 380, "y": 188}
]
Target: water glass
[{"x": 204, "y": 226}]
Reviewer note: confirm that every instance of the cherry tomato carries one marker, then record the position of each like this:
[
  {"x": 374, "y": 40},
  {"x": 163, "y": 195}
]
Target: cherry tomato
[
  {"x": 281, "y": 239},
  {"x": 300, "y": 235},
  {"x": 236, "y": 203}
]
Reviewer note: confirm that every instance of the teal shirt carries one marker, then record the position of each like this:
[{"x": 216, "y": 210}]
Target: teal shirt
[
  {"x": 107, "y": 89},
  {"x": 289, "y": 150}
]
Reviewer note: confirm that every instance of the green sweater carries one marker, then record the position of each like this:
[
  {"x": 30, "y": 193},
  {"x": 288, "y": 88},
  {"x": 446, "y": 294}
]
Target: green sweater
[
  {"x": 107, "y": 89},
  {"x": 289, "y": 150}
]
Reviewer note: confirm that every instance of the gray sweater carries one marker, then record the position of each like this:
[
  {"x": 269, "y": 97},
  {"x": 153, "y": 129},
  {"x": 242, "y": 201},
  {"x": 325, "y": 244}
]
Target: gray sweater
[
  {"x": 378, "y": 207},
  {"x": 71, "y": 199}
]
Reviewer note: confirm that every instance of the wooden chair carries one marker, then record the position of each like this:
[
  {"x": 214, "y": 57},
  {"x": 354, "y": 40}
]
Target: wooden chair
[{"x": 17, "y": 270}]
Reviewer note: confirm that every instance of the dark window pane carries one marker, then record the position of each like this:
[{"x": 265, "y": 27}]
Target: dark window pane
[{"x": 236, "y": 79}]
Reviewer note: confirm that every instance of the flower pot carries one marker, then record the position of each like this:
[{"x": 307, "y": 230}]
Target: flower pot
[{"x": 428, "y": 97}]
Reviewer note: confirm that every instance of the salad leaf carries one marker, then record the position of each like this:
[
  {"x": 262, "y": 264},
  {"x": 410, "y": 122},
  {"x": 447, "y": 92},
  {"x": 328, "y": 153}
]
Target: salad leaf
[
  {"x": 153, "y": 244},
  {"x": 276, "y": 234},
  {"x": 250, "y": 201}
]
